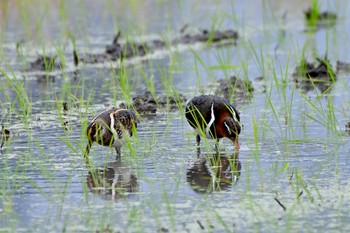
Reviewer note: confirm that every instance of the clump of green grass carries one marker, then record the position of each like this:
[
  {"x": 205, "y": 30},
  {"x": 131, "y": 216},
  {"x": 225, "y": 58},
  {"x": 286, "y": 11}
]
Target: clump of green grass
[
  {"x": 314, "y": 18},
  {"x": 122, "y": 79},
  {"x": 312, "y": 15},
  {"x": 22, "y": 104},
  {"x": 323, "y": 70},
  {"x": 323, "y": 114}
]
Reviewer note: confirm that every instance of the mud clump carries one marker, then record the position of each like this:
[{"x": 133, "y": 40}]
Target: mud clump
[
  {"x": 97, "y": 58},
  {"x": 316, "y": 19},
  {"x": 343, "y": 66},
  {"x": 45, "y": 63},
  {"x": 206, "y": 36},
  {"x": 240, "y": 89},
  {"x": 322, "y": 70},
  {"x": 126, "y": 50},
  {"x": 146, "y": 103},
  {"x": 309, "y": 75}
]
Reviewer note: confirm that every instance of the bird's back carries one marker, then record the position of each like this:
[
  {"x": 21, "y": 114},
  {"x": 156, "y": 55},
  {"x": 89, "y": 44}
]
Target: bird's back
[
  {"x": 109, "y": 123},
  {"x": 200, "y": 109}
]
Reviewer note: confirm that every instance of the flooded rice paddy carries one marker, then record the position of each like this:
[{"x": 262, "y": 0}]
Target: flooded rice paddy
[{"x": 290, "y": 175}]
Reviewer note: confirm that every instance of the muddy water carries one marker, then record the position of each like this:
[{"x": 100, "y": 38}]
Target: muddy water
[{"x": 160, "y": 184}]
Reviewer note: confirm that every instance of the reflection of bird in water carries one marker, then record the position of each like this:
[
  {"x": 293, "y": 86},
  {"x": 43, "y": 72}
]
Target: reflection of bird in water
[
  {"x": 214, "y": 174},
  {"x": 112, "y": 181}
]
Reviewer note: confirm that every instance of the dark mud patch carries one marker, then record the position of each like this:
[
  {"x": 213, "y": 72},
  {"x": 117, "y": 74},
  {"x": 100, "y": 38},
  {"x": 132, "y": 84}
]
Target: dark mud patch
[
  {"x": 213, "y": 174},
  {"x": 321, "y": 68},
  {"x": 241, "y": 90},
  {"x": 46, "y": 63},
  {"x": 315, "y": 19},
  {"x": 343, "y": 66},
  {"x": 320, "y": 74},
  {"x": 119, "y": 51},
  {"x": 146, "y": 103},
  {"x": 205, "y": 35}
]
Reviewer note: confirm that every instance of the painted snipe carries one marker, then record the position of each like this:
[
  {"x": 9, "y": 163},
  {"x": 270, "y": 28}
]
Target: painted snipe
[
  {"x": 213, "y": 117},
  {"x": 110, "y": 128}
]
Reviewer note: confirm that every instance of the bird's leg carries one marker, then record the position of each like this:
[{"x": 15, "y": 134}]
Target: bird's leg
[
  {"x": 86, "y": 155},
  {"x": 198, "y": 152},
  {"x": 217, "y": 146},
  {"x": 237, "y": 146},
  {"x": 117, "y": 149},
  {"x": 87, "y": 151},
  {"x": 198, "y": 140}
]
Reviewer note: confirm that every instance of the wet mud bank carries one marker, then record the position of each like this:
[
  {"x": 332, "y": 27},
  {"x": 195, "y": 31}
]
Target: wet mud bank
[{"x": 119, "y": 51}]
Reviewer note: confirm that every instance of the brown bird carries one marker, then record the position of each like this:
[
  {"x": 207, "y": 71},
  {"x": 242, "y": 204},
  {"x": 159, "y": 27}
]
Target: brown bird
[
  {"x": 110, "y": 128},
  {"x": 215, "y": 117}
]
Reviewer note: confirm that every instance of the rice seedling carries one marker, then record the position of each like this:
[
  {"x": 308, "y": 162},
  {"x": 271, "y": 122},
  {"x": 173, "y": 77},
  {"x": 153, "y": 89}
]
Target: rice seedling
[
  {"x": 123, "y": 83},
  {"x": 314, "y": 14}
]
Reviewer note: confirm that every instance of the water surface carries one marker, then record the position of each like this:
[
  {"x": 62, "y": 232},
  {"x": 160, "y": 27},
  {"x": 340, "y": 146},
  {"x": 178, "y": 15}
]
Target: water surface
[{"x": 289, "y": 151}]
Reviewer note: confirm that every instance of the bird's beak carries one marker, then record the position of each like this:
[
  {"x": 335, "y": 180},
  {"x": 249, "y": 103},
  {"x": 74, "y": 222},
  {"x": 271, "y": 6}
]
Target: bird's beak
[{"x": 236, "y": 143}]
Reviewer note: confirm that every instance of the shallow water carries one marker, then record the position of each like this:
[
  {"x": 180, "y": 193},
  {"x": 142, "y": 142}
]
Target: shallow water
[{"x": 286, "y": 152}]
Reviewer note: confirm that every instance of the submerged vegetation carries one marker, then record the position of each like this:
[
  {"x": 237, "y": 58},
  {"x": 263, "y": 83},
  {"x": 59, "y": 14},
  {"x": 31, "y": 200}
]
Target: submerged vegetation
[{"x": 58, "y": 69}]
